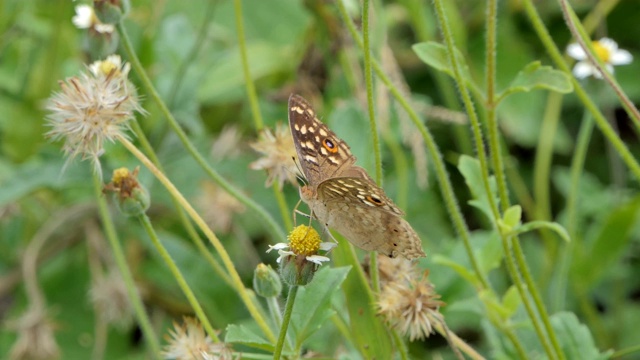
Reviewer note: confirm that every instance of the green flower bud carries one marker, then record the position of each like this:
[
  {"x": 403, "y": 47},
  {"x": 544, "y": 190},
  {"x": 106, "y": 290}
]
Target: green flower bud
[
  {"x": 266, "y": 281},
  {"x": 297, "y": 270}
]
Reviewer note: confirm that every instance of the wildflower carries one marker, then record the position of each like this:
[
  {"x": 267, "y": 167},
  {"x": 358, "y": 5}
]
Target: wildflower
[
  {"x": 35, "y": 337},
  {"x": 606, "y": 50},
  {"x": 279, "y": 152},
  {"x": 218, "y": 207},
  {"x": 86, "y": 18},
  {"x": 411, "y": 307},
  {"x": 109, "y": 296},
  {"x": 189, "y": 342},
  {"x": 93, "y": 108},
  {"x": 395, "y": 270},
  {"x": 300, "y": 261}
]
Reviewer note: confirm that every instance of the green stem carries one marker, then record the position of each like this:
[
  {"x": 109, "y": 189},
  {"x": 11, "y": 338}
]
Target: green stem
[
  {"x": 123, "y": 267},
  {"x": 293, "y": 291},
  {"x": 248, "y": 80},
  {"x": 542, "y": 171},
  {"x": 492, "y": 119},
  {"x": 368, "y": 78},
  {"x": 191, "y": 231},
  {"x": 276, "y": 230},
  {"x": 282, "y": 205},
  {"x": 400, "y": 345},
  {"x": 599, "y": 118},
  {"x": 177, "y": 274},
  {"x": 445, "y": 184},
  {"x": 238, "y": 285}
]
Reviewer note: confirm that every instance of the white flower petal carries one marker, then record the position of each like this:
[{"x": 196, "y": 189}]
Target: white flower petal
[
  {"x": 326, "y": 246},
  {"x": 83, "y": 17},
  {"x": 284, "y": 255},
  {"x": 317, "y": 259},
  {"x": 621, "y": 57},
  {"x": 278, "y": 246},
  {"x": 575, "y": 51},
  {"x": 583, "y": 69}
]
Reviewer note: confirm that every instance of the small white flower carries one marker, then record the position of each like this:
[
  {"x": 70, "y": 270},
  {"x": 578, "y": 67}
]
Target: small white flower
[
  {"x": 86, "y": 18},
  {"x": 608, "y": 52}
]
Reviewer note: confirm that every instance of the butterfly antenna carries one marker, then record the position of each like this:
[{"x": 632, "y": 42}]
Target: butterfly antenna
[{"x": 298, "y": 175}]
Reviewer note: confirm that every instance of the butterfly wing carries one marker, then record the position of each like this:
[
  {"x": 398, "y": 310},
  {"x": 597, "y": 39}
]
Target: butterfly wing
[
  {"x": 321, "y": 153},
  {"x": 362, "y": 213}
]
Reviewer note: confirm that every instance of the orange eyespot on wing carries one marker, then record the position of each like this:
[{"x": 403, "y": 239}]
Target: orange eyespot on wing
[
  {"x": 330, "y": 145},
  {"x": 374, "y": 200}
]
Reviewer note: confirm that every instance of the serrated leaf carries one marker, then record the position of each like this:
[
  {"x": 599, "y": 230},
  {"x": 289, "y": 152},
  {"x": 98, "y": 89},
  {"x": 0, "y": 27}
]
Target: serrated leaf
[
  {"x": 537, "y": 77},
  {"x": 312, "y": 306},
  {"x": 240, "y": 334},
  {"x": 435, "y": 55}
]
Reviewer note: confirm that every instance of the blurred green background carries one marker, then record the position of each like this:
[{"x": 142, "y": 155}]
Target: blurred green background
[{"x": 190, "y": 50}]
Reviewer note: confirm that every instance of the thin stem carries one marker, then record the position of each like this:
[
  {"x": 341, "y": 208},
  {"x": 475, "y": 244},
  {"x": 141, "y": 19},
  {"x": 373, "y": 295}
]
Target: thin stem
[
  {"x": 123, "y": 267},
  {"x": 445, "y": 184},
  {"x": 492, "y": 119},
  {"x": 276, "y": 230},
  {"x": 177, "y": 274},
  {"x": 291, "y": 298},
  {"x": 368, "y": 78},
  {"x": 542, "y": 170},
  {"x": 248, "y": 80},
  {"x": 274, "y": 309},
  {"x": 599, "y": 118},
  {"x": 282, "y": 205},
  {"x": 468, "y": 104},
  {"x": 400, "y": 345},
  {"x": 191, "y": 231},
  {"x": 224, "y": 256}
]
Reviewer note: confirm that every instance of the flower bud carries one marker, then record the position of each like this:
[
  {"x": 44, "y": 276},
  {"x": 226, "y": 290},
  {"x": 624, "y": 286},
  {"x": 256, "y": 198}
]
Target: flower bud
[
  {"x": 132, "y": 198},
  {"x": 266, "y": 281}
]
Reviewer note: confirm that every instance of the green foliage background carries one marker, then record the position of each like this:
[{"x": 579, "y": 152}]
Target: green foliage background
[{"x": 590, "y": 285}]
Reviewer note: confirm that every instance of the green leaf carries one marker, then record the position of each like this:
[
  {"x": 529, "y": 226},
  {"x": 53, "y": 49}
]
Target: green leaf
[
  {"x": 535, "y": 225},
  {"x": 369, "y": 332},
  {"x": 470, "y": 168},
  {"x": 511, "y": 301},
  {"x": 512, "y": 216},
  {"x": 536, "y": 77},
  {"x": 609, "y": 243},
  {"x": 312, "y": 307},
  {"x": 240, "y": 334},
  {"x": 458, "y": 268},
  {"x": 435, "y": 55},
  {"x": 575, "y": 339}
]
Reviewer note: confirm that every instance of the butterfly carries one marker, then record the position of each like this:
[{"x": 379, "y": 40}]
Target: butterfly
[{"x": 341, "y": 195}]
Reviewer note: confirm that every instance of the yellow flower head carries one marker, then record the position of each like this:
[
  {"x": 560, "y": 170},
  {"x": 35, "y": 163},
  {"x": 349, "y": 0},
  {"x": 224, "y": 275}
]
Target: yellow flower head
[{"x": 304, "y": 240}]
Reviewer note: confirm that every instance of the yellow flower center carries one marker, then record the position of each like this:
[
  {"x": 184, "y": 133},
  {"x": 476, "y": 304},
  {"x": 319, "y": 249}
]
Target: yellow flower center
[
  {"x": 602, "y": 52},
  {"x": 107, "y": 66},
  {"x": 304, "y": 240},
  {"x": 119, "y": 175}
]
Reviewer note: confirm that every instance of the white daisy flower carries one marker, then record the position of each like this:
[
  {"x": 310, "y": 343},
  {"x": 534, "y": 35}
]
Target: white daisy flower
[{"x": 606, "y": 49}]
